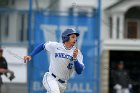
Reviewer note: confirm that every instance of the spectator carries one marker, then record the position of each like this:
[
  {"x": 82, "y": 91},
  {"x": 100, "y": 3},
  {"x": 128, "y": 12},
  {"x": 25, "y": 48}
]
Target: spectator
[
  {"x": 120, "y": 79},
  {"x": 4, "y": 69}
]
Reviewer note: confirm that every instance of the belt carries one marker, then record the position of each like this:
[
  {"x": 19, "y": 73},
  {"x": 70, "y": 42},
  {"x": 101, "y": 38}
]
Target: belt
[{"x": 61, "y": 81}]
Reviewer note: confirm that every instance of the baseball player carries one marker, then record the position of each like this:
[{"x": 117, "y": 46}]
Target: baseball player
[{"x": 65, "y": 58}]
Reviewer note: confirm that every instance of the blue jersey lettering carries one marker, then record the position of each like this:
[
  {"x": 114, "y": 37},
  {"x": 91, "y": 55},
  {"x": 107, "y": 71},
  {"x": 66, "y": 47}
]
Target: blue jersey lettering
[{"x": 63, "y": 55}]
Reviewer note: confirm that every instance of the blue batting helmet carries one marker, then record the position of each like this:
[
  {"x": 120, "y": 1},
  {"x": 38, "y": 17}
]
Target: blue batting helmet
[{"x": 67, "y": 33}]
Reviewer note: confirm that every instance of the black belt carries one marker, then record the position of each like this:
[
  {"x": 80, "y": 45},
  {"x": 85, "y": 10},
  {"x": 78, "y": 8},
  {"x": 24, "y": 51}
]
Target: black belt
[{"x": 61, "y": 81}]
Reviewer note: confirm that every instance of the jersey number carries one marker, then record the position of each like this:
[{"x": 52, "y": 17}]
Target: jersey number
[{"x": 70, "y": 66}]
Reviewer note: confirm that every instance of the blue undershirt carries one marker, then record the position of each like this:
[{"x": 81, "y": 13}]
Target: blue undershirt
[
  {"x": 78, "y": 67},
  {"x": 38, "y": 49}
]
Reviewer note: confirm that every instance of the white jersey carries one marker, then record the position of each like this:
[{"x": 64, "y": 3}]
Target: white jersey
[{"x": 60, "y": 59}]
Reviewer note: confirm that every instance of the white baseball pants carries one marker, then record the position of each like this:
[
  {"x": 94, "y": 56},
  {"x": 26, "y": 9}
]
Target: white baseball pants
[
  {"x": 52, "y": 85},
  {"x": 124, "y": 90}
]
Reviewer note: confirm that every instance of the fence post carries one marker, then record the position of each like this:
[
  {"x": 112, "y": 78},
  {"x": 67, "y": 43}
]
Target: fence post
[
  {"x": 29, "y": 46},
  {"x": 99, "y": 29}
]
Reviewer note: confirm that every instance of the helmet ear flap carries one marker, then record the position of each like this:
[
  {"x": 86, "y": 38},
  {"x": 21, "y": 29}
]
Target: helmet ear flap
[{"x": 65, "y": 39}]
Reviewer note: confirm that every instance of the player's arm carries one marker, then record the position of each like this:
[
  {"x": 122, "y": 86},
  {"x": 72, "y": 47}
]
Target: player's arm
[
  {"x": 78, "y": 66},
  {"x": 38, "y": 49}
]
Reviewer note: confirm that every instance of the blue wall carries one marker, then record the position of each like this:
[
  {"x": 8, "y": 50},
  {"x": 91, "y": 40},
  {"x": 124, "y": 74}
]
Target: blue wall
[{"x": 49, "y": 28}]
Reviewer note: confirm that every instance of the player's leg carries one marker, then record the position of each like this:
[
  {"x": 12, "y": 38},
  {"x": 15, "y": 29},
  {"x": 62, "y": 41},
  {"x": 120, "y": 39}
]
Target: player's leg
[
  {"x": 119, "y": 91},
  {"x": 126, "y": 90},
  {"x": 50, "y": 83},
  {"x": 0, "y": 88},
  {"x": 62, "y": 87},
  {"x": 1, "y": 84}
]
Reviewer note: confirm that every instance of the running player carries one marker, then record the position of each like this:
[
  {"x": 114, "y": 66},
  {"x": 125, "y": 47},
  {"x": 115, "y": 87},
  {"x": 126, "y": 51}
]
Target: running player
[{"x": 65, "y": 58}]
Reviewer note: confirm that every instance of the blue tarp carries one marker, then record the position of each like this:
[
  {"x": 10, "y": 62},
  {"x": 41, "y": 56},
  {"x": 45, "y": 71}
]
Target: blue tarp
[{"x": 49, "y": 28}]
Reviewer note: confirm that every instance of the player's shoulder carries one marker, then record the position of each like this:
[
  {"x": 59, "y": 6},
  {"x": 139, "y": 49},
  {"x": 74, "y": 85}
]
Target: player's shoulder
[
  {"x": 53, "y": 43},
  {"x": 3, "y": 58}
]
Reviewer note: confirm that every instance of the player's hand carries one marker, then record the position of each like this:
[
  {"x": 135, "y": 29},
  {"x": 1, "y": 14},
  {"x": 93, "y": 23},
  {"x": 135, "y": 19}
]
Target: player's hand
[
  {"x": 75, "y": 53},
  {"x": 27, "y": 58}
]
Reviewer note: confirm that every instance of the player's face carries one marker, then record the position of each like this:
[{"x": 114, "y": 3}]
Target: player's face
[
  {"x": 120, "y": 66},
  {"x": 72, "y": 39}
]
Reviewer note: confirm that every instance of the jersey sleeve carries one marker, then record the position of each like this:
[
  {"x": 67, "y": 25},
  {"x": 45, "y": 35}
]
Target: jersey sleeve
[{"x": 50, "y": 46}]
